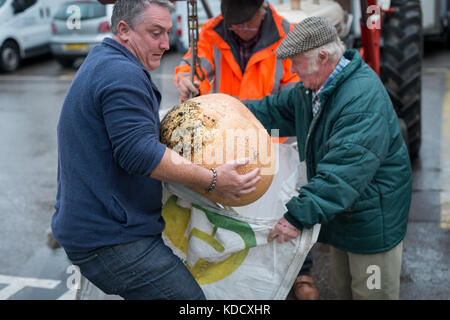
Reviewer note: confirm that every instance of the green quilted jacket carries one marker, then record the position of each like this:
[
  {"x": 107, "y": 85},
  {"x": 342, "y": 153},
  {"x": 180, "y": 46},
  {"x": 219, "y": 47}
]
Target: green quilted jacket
[{"x": 359, "y": 174}]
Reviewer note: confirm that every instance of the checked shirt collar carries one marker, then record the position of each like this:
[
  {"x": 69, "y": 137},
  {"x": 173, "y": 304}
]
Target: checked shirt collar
[{"x": 315, "y": 97}]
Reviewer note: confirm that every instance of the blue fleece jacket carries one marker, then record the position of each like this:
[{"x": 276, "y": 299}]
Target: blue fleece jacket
[{"x": 108, "y": 144}]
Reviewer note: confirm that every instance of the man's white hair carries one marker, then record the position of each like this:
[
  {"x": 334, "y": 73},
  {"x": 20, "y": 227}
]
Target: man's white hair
[{"x": 335, "y": 52}]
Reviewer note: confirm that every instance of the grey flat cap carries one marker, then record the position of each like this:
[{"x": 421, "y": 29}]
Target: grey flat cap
[{"x": 310, "y": 33}]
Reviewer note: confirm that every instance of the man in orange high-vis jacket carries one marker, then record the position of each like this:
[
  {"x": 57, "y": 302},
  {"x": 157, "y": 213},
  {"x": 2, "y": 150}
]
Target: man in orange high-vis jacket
[
  {"x": 237, "y": 57},
  {"x": 237, "y": 54}
]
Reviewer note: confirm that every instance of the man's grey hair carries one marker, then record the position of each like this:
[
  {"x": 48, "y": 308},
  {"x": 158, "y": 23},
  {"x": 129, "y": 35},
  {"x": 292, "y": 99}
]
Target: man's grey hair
[
  {"x": 335, "y": 51},
  {"x": 132, "y": 11}
]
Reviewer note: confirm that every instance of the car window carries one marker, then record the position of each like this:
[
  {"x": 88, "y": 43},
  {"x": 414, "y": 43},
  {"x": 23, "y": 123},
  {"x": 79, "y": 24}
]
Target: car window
[
  {"x": 29, "y": 3},
  {"x": 84, "y": 10}
]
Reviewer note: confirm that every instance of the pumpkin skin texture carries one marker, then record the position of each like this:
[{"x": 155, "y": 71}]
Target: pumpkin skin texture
[{"x": 212, "y": 129}]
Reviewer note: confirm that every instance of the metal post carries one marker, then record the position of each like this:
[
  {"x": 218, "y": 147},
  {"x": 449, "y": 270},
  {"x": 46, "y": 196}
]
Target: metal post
[{"x": 193, "y": 40}]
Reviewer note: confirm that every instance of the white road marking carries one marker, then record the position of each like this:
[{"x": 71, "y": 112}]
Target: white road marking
[
  {"x": 15, "y": 284},
  {"x": 69, "y": 295}
]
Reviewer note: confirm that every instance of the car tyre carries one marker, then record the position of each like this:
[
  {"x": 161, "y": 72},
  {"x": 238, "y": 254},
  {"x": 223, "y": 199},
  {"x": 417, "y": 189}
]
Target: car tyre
[
  {"x": 65, "y": 62},
  {"x": 9, "y": 56}
]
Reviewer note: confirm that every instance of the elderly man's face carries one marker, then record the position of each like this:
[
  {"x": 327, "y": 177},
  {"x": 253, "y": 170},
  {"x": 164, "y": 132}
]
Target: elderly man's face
[
  {"x": 312, "y": 75},
  {"x": 150, "y": 38},
  {"x": 248, "y": 30}
]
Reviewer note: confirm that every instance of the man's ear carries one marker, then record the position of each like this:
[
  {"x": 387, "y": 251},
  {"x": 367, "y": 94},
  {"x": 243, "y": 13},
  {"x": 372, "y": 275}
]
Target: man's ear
[
  {"x": 323, "y": 57},
  {"x": 123, "y": 31}
]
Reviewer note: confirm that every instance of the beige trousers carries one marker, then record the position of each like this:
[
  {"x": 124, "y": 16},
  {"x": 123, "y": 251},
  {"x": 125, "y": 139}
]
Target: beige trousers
[{"x": 366, "y": 276}]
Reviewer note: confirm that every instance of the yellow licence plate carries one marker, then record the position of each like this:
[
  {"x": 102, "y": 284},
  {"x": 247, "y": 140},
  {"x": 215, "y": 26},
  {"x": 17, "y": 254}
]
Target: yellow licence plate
[{"x": 76, "y": 46}]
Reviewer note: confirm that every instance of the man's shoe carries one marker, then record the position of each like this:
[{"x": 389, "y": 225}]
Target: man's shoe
[{"x": 304, "y": 288}]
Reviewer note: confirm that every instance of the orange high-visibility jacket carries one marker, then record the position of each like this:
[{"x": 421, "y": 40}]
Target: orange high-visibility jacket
[{"x": 264, "y": 73}]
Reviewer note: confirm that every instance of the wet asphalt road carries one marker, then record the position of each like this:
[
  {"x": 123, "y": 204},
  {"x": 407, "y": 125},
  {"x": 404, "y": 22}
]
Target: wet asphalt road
[{"x": 30, "y": 102}]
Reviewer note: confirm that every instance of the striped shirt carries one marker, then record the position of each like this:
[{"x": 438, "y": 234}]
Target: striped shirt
[{"x": 315, "y": 98}]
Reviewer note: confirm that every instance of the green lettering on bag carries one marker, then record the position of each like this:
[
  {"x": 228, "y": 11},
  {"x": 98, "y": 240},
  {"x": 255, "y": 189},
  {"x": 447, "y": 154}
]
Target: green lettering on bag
[{"x": 241, "y": 228}]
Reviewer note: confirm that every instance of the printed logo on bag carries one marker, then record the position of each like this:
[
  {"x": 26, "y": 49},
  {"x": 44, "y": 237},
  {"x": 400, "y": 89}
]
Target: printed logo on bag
[{"x": 209, "y": 259}]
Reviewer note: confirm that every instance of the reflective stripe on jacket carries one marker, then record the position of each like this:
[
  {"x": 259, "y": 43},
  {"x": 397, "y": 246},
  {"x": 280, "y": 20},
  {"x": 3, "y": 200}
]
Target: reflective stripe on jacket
[{"x": 219, "y": 56}]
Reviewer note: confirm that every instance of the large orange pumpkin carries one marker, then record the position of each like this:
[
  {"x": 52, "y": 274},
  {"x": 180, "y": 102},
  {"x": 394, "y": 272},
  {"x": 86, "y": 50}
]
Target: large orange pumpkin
[{"x": 212, "y": 129}]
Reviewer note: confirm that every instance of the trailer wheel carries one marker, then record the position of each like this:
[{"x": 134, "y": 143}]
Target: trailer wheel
[{"x": 401, "y": 64}]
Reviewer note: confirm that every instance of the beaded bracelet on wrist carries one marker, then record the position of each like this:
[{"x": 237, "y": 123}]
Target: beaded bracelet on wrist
[{"x": 213, "y": 183}]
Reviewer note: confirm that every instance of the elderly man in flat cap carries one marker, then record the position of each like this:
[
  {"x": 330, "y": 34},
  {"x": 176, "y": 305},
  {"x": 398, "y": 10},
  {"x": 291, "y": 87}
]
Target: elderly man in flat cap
[{"x": 359, "y": 173}]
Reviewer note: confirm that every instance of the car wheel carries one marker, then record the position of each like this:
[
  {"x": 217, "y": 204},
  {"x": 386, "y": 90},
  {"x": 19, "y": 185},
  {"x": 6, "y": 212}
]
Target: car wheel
[
  {"x": 66, "y": 62},
  {"x": 9, "y": 56}
]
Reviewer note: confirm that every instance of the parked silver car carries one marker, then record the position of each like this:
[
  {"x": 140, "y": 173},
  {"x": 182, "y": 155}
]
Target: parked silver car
[{"x": 77, "y": 27}]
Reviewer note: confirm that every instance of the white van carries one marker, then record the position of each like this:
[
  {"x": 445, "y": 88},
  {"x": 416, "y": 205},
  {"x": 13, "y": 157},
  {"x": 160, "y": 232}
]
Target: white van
[{"x": 25, "y": 29}]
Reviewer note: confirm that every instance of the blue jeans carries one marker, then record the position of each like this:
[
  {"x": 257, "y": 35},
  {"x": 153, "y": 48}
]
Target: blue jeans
[{"x": 144, "y": 269}]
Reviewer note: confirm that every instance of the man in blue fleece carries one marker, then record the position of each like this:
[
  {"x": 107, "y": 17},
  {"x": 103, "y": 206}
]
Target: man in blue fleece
[{"x": 110, "y": 163}]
